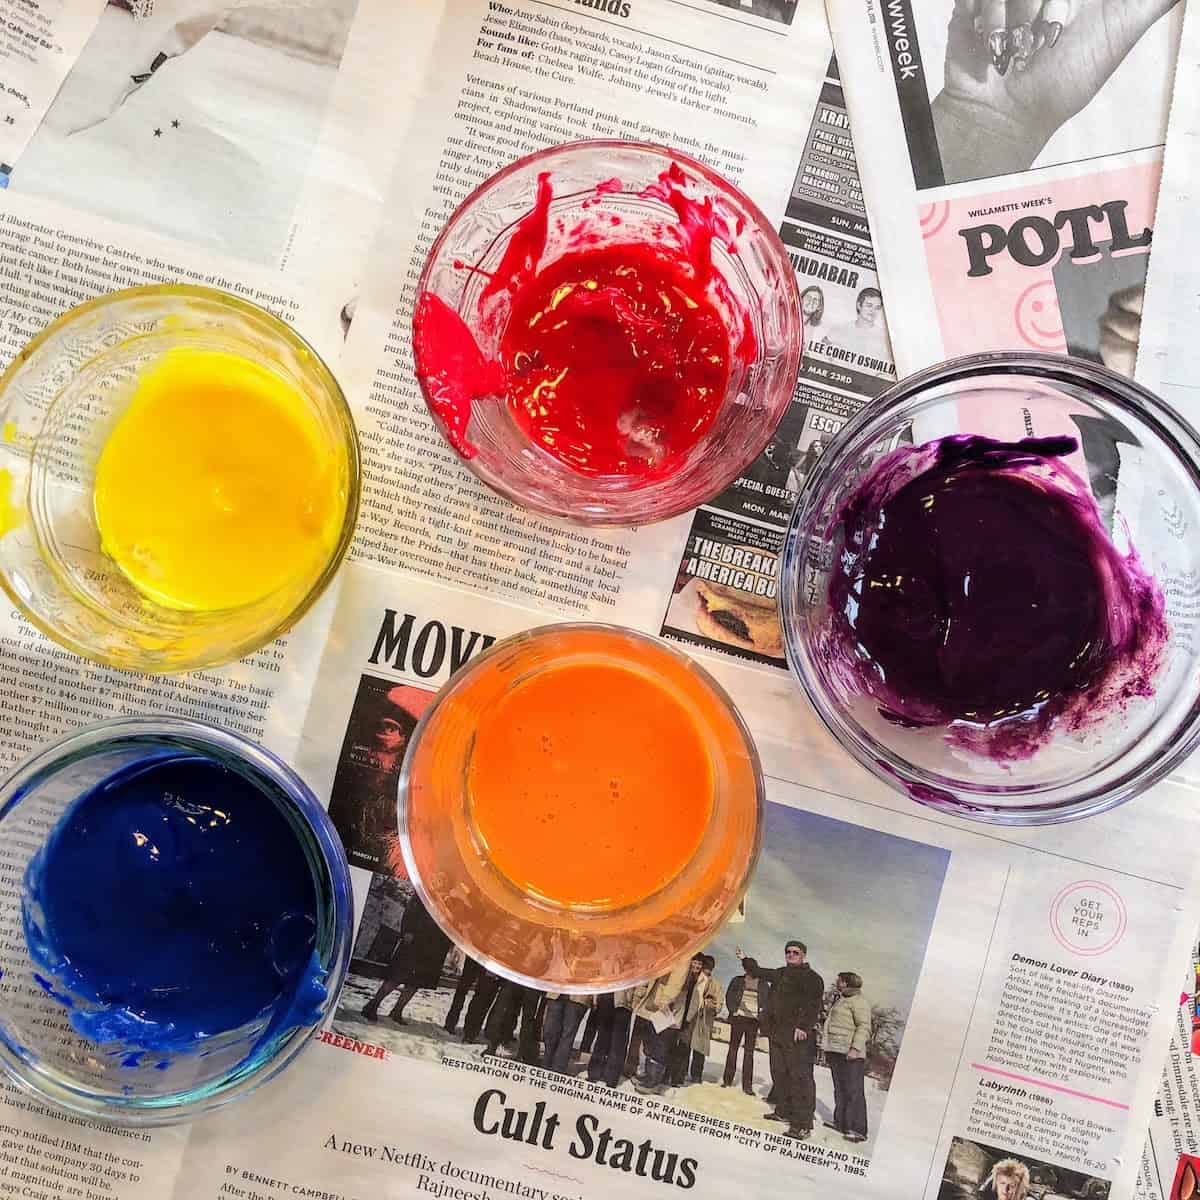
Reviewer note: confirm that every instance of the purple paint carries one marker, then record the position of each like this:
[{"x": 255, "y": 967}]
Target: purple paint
[{"x": 978, "y": 590}]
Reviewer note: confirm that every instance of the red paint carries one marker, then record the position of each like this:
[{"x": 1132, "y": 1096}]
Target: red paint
[
  {"x": 453, "y": 369},
  {"x": 617, "y": 360},
  {"x": 700, "y": 222},
  {"x": 525, "y": 248}
]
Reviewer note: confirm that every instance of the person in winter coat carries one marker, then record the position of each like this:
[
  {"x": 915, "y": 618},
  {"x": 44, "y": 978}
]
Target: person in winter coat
[
  {"x": 745, "y": 997},
  {"x": 472, "y": 976},
  {"x": 608, "y": 1055},
  {"x": 847, "y": 1028},
  {"x": 661, "y": 1014},
  {"x": 711, "y": 998},
  {"x": 514, "y": 1002},
  {"x": 791, "y": 1019},
  {"x": 560, "y": 1023},
  {"x": 638, "y": 1028},
  {"x": 693, "y": 995},
  {"x": 416, "y": 964}
]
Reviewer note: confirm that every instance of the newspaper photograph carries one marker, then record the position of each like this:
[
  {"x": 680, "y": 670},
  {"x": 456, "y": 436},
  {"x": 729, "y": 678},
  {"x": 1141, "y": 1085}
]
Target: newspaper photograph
[
  {"x": 1010, "y": 163},
  {"x": 362, "y": 801},
  {"x": 772, "y": 10},
  {"x": 410, "y": 993},
  {"x": 973, "y": 1170}
]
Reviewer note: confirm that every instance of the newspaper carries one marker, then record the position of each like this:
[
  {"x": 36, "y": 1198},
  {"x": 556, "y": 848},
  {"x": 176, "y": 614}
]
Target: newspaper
[
  {"x": 1009, "y": 173},
  {"x": 1168, "y": 353},
  {"x": 263, "y": 132},
  {"x": 1167, "y": 361},
  {"x": 1173, "y": 1139},
  {"x": 1020, "y": 983},
  {"x": 39, "y": 42}
]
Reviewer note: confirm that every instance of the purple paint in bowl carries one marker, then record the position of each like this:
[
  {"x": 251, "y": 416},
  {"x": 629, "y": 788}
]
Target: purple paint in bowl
[{"x": 988, "y": 590}]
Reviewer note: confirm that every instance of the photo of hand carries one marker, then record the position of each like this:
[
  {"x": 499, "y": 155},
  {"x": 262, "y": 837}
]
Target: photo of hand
[{"x": 1018, "y": 70}]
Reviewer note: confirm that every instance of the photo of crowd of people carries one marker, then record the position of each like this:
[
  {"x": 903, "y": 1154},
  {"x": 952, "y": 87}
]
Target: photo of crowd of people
[
  {"x": 974, "y": 1170},
  {"x": 800, "y": 1036}
]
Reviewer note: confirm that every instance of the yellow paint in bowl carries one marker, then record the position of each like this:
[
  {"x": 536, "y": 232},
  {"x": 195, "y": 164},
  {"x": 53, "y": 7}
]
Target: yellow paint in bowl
[{"x": 218, "y": 485}]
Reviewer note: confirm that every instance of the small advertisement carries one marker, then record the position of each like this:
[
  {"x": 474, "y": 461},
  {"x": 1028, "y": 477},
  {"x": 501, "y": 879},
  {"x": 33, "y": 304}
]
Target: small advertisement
[{"x": 726, "y": 595}]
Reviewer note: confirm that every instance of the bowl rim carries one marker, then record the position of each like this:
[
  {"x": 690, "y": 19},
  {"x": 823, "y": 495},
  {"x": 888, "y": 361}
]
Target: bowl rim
[
  {"x": 205, "y": 736},
  {"x": 354, "y": 472},
  {"x": 956, "y": 797},
  {"x": 457, "y": 680},
  {"x": 788, "y": 283}
]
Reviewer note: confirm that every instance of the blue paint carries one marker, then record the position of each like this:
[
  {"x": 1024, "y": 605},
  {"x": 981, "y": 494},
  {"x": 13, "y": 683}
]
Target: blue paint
[
  {"x": 48, "y": 988},
  {"x": 173, "y": 904}
]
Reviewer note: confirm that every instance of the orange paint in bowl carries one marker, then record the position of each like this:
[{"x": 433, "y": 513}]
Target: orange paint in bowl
[{"x": 581, "y": 807}]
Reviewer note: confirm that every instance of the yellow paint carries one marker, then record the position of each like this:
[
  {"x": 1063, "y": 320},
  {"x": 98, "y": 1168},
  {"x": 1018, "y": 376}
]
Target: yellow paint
[
  {"x": 218, "y": 485},
  {"x": 12, "y": 513}
]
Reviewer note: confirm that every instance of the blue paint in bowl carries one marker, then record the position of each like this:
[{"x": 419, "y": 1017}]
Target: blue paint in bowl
[{"x": 185, "y": 913}]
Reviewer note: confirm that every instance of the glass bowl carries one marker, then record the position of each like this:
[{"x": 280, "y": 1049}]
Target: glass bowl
[
  {"x": 1141, "y": 461},
  {"x": 529, "y": 938},
  {"x": 600, "y": 187},
  {"x": 59, "y": 400},
  {"x": 38, "y": 1046}
]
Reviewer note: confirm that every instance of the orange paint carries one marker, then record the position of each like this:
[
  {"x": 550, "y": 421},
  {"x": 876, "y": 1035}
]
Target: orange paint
[
  {"x": 590, "y": 785},
  {"x": 580, "y": 807}
]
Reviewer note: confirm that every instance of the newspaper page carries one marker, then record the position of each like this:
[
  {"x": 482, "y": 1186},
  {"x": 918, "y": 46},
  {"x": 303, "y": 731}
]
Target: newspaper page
[
  {"x": 1173, "y": 1139},
  {"x": 51, "y": 259},
  {"x": 1016, "y": 984},
  {"x": 186, "y": 145},
  {"x": 1010, "y": 155},
  {"x": 249, "y": 97},
  {"x": 1167, "y": 325},
  {"x": 1165, "y": 330},
  {"x": 262, "y": 131},
  {"x": 39, "y": 42},
  {"x": 1014, "y": 979}
]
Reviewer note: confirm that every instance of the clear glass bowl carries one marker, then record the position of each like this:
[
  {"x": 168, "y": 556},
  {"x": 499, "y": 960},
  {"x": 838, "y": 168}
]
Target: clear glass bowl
[
  {"x": 759, "y": 277},
  {"x": 525, "y": 937},
  {"x": 59, "y": 400},
  {"x": 38, "y": 1046},
  {"x": 1143, "y": 463}
]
